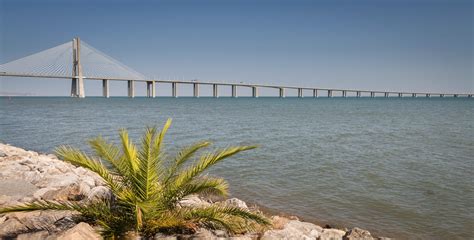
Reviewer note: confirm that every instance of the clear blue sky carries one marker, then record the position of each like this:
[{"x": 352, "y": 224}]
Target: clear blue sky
[{"x": 420, "y": 45}]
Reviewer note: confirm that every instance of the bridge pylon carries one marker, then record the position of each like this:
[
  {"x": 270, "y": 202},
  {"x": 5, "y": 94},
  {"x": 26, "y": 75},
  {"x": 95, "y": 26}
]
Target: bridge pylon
[{"x": 77, "y": 86}]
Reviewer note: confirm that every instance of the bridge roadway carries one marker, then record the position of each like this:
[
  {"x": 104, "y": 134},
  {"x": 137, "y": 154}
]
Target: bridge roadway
[{"x": 151, "y": 87}]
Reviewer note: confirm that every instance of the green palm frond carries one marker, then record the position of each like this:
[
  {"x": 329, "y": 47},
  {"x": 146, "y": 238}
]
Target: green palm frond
[
  {"x": 149, "y": 159},
  {"x": 232, "y": 219},
  {"x": 183, "y": 156},
  {"x": 79, "y": 158},
  {"x": 110, "y": 153},
  {"x": 129, "y": 151},
  {"x": 42, "y": 205},
  {"x": 202, "y": 186},
  {"x": 206, "y": 161}
]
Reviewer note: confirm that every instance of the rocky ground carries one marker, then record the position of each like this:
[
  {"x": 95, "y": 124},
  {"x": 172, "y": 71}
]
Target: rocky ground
[{"x": 26, "y": 176}]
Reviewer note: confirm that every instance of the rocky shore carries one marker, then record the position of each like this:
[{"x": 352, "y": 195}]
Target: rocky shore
[{"x": 27, "y": 176}]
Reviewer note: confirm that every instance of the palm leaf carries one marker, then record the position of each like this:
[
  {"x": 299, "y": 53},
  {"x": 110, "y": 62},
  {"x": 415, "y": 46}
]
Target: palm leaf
[
  {"x": 183, "y": 156},
  {"x": 77, "y": 157},
  {"x": 110, "y": 153},
  {"x": 129, "y": 151},
  {"x": 205, "y": 162}
]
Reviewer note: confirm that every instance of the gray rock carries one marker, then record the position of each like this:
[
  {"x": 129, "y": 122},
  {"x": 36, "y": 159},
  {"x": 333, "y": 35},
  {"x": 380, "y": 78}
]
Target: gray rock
[
  {"x": 40, "y": 220},
  {"x": 220, "y": 233},
  {"x": 4, "y": 199},
  {"x": 358, "y": 234},
  {"x": 16, "y": 187},
  {"x": 193, "y": 201},
  {"x": 11, "y": 227},
  {"x": 42, "y": 191},
  {"x": 295, "y": 229},
  {"x": 99, "y": 192},
  {"x": 160, "y": 236},
  {"x": 236, "y": 203},
  {"x": 71, "y": 192},
  {"x": 204, "y": 234},
  {"x": 41, "y": 235},
  {"x": 84, "y": 188},
  {"x": 80, "y": 231},
  {"x": 331, "y": 234},
  {"x": 88, "y": 180}
]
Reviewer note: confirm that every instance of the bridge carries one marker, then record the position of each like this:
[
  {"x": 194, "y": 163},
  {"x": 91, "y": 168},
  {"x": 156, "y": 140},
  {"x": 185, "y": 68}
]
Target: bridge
[{"x": 78, "y": 62}]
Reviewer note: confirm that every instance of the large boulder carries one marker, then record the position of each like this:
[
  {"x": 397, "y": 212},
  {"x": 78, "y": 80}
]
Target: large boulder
[
  {"x": 99, "y": 192},
  {"x": 331, "y": 234},
  {"x": 235, "y": 202},
  {"x": 358, "y": 234},
  {"x": 71, "y": 193},
  {"x": 40, "y": 235},
  {"x": 294, "y": 229},
  {"x": 80, "y": 231},
  {"x": 193, "y": 201},
  {"x": 44, "y": 220},
  {"x": 11, "y": 228}
]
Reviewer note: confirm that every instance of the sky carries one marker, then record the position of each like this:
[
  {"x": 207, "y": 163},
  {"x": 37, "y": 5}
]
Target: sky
[{"x": 396, "y": 45}]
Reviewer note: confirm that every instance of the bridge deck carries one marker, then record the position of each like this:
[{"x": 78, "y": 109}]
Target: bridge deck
[{"x": 3, "y": 74}]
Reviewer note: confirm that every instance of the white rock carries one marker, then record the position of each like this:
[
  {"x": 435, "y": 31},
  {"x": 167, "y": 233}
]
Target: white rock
[
  {"x": 40, "y": 192},
  {"x": 32, "y": 176},
  {"x": 80, "y": 231},
  {"x": 84, "y": 189},
  {"x": 88, "y": 180},
  {"x": 193, "y": 201},
  {"x": 331, "y": 234},
  {"x": 236, "y": 203},
  {"x": 358, "y": 234},
  {"x": 41, "y": 235},
  {"x": 61, "y": 180},
  {"x": 11, "y": 227},
  {"x": 99, "y": 192},
  {"x": 295, "y": 229}
]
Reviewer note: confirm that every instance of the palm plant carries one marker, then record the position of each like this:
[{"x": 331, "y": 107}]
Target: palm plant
[{"x": 147, "y": 187}]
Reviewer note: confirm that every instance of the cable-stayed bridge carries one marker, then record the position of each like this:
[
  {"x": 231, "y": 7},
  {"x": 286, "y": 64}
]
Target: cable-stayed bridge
[{"x": 78, "y": 61}]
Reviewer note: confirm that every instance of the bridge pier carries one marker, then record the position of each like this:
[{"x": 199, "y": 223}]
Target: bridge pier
[
  {"x": 441, "y": 95},
  {"x": 74, "y": 87},
  {"x": 105, "y": 88},
  {"x": 174, "y": 90},
  {"x": 329, "y": 93},
  {"x": 344, "y": 94},
  {"x": 413, "y": 95},
  {"x": 385, "y": 94},
  {"x": 150, "y": 89},
  {"x": 300, "y": 92},
  {"x": 358, "y": 94},
  {"x": 196, "y": 90},
  {"x": 254, "y": 92},
  {"x": 131, "y": 88},
  {"x": 234, "y": 91},
  {"x": 428, "y": 95},
  {"x": 400, "y": 95},
  {"x": 455, "y": 95},
  {"x": 215, "y": 91},
  {"x": 77, "y": 86},
  {"x": 315, "y": 93},
  {"x": 372, "y": 94},
  {"x": 282, "y": 92}
]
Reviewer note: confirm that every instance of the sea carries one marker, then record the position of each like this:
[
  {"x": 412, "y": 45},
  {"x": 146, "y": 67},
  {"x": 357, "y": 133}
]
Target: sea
[{"x": 398, "y": 167}]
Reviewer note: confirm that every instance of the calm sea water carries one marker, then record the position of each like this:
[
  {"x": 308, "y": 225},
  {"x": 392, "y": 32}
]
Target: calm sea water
[{"x": 398, "y": 167}]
